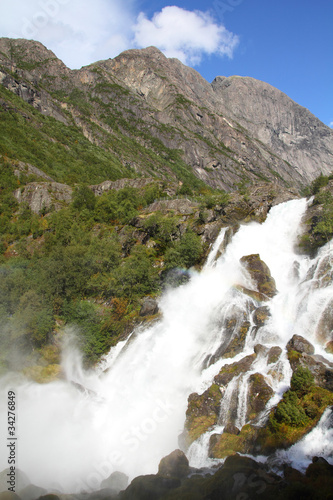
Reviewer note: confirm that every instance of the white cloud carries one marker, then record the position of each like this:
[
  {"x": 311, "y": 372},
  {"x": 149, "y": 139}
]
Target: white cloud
[
  {"x": 83, "y": 31},
  {"x": 331, "y": 125},
  {"x": 78, "y": 31},
  {"x": 184, "y": 34}
]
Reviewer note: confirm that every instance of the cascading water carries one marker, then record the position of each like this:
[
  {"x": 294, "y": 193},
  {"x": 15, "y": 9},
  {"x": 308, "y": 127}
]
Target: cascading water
[{"x": 128, "y": 413}]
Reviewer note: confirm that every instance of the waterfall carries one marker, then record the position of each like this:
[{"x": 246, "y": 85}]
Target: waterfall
[{"x": 128, "y": 413}]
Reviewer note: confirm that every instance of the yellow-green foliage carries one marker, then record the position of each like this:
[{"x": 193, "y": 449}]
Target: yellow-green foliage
[
  {"x": 229, "y": 444},
  {"x": 297, "y": 413}
]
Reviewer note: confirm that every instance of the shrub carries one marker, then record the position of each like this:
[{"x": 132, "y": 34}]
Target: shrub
[
  {"x": 301, "y": 381},
  {"x": 185, "y": 253}
]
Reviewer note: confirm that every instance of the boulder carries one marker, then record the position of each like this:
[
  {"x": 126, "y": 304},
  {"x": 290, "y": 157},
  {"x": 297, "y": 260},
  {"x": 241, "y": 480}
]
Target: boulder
[
  {"x": 150, "y": 487},
  {"x": 231, "y": 429},
  {"x": 228, "y": 372},
  {"x": 235, "y": 326},
  {"x": 116, "y": 482},
  {"x": 274, "y": 354},
  {"x": 300, "y": 344},
  {"x": 260, "y": 275},
  {"x": 260, "y": 315},
  {"x": 174, "y": 465},
  {"x": 202, "y": 413},
  {"x": 149, "y": 307},
  {"x": 258, "y": 395},
  {"x": 329, "y": 347},
  {"x": 321, "y": 369}
]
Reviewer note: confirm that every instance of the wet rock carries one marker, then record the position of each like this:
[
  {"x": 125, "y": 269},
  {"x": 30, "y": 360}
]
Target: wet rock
[
  {"x": 319, "y": 468},
  {"x": 325, "y": 325},
  {"x": 149, "y": 307},
  {"x": 260, "y": 350},
  {"x": 237, "y": 343},
  {"x": 210, "y": 232},
  {"x": 151, "y": 487},
  {"x": 235, "y": 325},
  {"x": 202, "y": 413},
  {"x": 175, "y": 465},
  {"x": 228, "y": 372},
  {"x": 300, "y": 344},
  {"x": 260, "y": 275},
  {"x": 274, "y": 354},
  {"x": 258, "y": 395},
  {"x": 231, "y": 429},
  {"x": 329, "y": 347},
  {"x": 226, "y": 444},
  {"x": 321, "y": 369},
  {"x": 256, "y": 296},
  {"x": 229, "y": 234},
  {"x": 116, "y": 482},
  {"x": 260, "y": 315}
]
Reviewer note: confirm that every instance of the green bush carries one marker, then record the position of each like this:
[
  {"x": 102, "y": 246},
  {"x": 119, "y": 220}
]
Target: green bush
[
  {"x": 83, "y": 198},
  {"x": 301, "y": 381},
  {"x": 290, "y": 412},
  {"x": 185, "y": 253},
  {"x": 318, "y": 183}
]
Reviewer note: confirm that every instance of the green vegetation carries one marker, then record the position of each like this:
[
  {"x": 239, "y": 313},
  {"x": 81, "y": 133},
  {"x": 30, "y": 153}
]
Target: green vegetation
[
  {"x": 298, "y": 412},
  {"x": 60, "y": 150},
  {"x": 321, "y": 224},
  {"x": 82, "y": 265}
]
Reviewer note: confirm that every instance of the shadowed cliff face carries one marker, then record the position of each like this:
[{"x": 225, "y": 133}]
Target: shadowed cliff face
[{"x": 233, "y": 131}]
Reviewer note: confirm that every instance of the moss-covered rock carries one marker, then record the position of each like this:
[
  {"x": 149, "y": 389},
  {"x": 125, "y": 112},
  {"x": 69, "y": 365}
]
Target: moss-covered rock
[
  {"x": 260, "y": 275},
  {"x": 295, "y": 415},
  {"x": 226, "y": 444},
  {"x": 329, "y": 347},
  {"x": 258, "y": 396},
  {"x": 274, "y": 354},
  {"x": 238, "y": 340},
  {"x": 228, "y": 372},
  {"x": 174, "y": 465},
  {"x": 202, "y": 412},
  {"x": 260, "y": 315},
  {"x": 300, "y": 344}
]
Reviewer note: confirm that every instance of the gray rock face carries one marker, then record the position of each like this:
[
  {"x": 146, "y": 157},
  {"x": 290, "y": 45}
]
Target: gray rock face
[
  {"x": 42, "y": 195},
  {"x": 280, "y": 141},
  {"x": 290, "y": 130}
]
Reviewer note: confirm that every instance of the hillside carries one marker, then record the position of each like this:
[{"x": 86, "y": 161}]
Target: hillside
[{"x": 142, "y": 114}]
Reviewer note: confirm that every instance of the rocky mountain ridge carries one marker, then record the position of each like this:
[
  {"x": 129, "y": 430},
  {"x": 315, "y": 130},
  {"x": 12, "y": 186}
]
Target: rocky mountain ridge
[{"x": 158, "y": 117}]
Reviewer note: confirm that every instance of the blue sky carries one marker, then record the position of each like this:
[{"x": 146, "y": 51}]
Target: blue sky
[{"x": 288, "y": 44}]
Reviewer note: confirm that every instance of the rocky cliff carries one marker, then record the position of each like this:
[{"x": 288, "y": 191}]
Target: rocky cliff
[{"x": 158, "y": 117}]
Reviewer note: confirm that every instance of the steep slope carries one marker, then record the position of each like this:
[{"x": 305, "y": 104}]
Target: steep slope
[
  {"x": 290, "y": 130},
  {"x": 159, "y": 118}
]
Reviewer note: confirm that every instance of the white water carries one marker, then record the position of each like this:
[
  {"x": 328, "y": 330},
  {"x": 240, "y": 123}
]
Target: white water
[{"x": 134, "y": 407}]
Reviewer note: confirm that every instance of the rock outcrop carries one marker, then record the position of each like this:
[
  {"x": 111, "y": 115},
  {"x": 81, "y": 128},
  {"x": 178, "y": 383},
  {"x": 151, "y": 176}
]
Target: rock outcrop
[
  {"x": 260, "y": 275},
  {"x": 44, "y": 195},
  {"x": 234, "y": 131}
]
